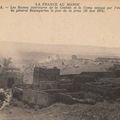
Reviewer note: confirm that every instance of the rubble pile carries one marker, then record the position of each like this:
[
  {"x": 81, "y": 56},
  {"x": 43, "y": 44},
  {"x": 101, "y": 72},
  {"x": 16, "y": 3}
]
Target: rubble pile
[
  {"x": 5, "y": 97},
  {"x": 99, "y": 111}
]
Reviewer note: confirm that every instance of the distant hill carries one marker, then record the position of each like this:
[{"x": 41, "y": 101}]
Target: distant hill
[{"x": 33, "y": 51}]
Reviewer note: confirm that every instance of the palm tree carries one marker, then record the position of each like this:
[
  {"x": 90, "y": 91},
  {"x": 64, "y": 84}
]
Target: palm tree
[{"x": 7, "y": 62}]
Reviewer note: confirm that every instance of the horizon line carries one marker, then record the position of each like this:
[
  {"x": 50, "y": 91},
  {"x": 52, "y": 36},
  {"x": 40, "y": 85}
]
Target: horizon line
[{"x": 61, "y": 44}]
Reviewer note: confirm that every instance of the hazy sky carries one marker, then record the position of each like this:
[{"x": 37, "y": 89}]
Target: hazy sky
[{"x": 101, "y": 29}]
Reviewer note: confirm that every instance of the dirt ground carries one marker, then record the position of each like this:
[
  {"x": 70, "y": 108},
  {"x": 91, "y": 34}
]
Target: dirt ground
[{"x": 100, "y": 111}]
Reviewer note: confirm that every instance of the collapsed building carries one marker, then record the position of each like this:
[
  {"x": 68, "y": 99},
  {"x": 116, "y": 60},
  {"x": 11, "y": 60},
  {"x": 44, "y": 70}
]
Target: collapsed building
[
  {"x": 44, "y": 80},
  {"x": 49, "y": 85},
  {"x": 9, "y": 77},
  {"x": 46, "y": 88}
]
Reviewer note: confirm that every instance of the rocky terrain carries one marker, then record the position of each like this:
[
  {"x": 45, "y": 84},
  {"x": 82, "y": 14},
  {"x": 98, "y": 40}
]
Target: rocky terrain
[{"x": 99, "y": 111}]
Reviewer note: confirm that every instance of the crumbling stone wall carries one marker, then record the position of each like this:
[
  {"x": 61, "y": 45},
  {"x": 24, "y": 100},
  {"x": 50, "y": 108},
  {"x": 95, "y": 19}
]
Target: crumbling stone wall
[
  {"x": 44, "y": 74},
  {"x": 35, "y": 97}
]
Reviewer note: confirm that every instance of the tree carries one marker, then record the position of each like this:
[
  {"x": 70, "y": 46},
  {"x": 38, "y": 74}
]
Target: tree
[{"x": 7, "y": 62}]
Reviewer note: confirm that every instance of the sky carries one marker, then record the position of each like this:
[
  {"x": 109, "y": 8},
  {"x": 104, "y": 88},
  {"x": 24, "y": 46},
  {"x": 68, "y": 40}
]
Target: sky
[{"x": 90, "y": 29}]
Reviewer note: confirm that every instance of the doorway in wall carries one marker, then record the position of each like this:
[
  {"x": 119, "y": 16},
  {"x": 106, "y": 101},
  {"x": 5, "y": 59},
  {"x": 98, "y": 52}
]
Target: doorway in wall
[{"x": 10, "y": 82}]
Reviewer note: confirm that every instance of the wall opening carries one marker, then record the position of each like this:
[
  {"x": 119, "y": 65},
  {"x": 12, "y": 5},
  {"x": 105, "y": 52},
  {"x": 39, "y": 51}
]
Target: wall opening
[{"x": 10, "y": 82}]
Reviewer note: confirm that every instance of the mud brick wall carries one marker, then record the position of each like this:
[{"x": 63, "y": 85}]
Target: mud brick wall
[
  {"x": 105, "y": 91},
  {"x": 44, "y": 74},
  {"x": 47, "y": 85},
  {"x": 100, "y": 74}
]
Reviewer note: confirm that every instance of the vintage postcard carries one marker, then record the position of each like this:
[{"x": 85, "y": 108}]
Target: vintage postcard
[{"x": 59, "y": 60}]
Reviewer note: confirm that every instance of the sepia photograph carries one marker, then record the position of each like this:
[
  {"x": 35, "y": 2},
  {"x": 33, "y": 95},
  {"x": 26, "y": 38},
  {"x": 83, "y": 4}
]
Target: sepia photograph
[{"x": 59, "y": 60}]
